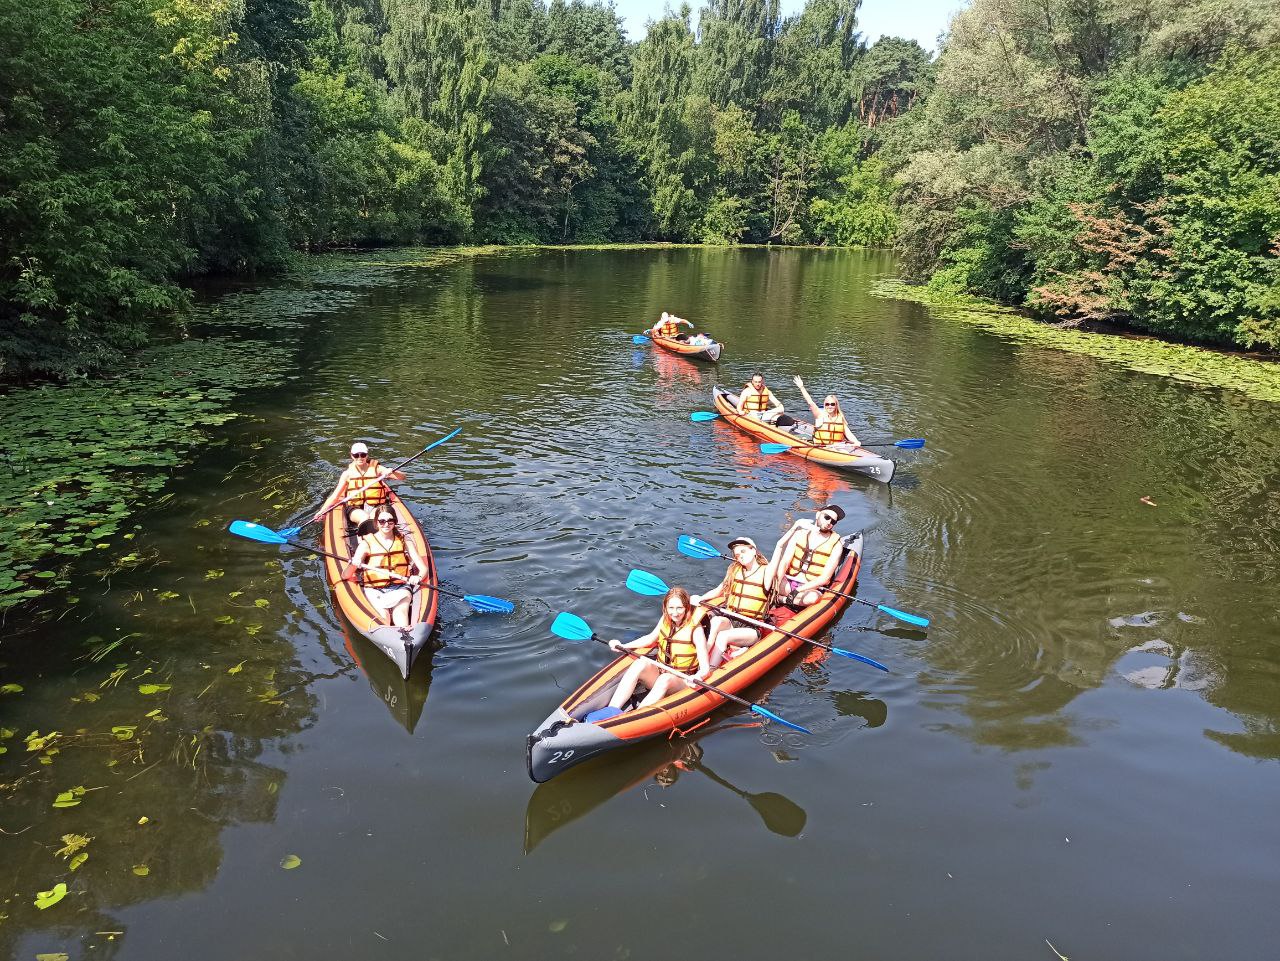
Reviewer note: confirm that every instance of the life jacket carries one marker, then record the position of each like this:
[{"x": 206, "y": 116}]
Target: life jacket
[
  {"x": 808, "y": 561},
  {"x": 362, "y": 487},
  {"x": 675, "y": 645},
  {"x": 666, "y": 328},
  {"x": 757, "y": 401},
  {"x": 831, "y": 432},
  {"x": 747, "y": 594},
  {"x": 393, "y": 558}
]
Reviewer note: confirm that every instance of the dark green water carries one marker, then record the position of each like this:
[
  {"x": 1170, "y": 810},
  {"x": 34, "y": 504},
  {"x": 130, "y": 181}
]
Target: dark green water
[{"x": 1082, "y": 749}]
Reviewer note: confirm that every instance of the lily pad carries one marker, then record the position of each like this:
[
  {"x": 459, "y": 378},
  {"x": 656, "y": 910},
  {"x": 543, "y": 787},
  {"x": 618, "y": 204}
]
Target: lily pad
[
  {"x": 141, "y": 870},
  {"x": 290, "y": 861},
  {"x": 11, "y": 689},
  {"x": 153, "y": 688},
  {"x": 47, "y": 899}
]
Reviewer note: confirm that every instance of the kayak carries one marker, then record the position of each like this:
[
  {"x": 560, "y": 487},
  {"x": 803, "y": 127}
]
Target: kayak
[
  {"x": 400, "y": 644},
  {"x": 709, "y": 352},
  {"x": 846, "y": 457},
  {"x": 566, "y": 739}
]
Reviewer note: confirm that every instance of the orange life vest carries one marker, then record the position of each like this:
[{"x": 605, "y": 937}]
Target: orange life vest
[
  {"x": 831, "y": 432},
  {"x": 757, "y": 401},
  {"x": 362, "y": 487},
  {"x": 747, "y": 594},
  {"x": 675, "y": 644},
  {"x": 666, "y": 328},
  {"x": 807, "y": 561},
  {"x": 388, "y": 558}
]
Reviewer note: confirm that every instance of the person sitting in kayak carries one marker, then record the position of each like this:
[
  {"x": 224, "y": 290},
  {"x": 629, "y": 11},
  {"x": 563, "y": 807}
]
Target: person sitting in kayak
[
  {"x": 679, "y": 642},
  {"x": 806, "y": 558},
  {"x": 391, "y": 560},
  {"x": 362, "y": 483},
  {"x": 829, "y": 426},
  {"x": 757, "y": 400},
  {"x": 744, "y": 590},
  {"x": 668, "y": 326}
]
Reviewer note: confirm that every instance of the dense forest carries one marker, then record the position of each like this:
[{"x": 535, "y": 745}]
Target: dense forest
[{"x": 1087, "y": 159}]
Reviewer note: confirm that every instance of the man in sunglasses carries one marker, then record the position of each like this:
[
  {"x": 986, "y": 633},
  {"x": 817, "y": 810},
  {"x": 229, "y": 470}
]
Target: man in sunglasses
[
  {"x": 806, "y": 558},
  {"x": 360, "y": 487},
  {"x": 829, "y": 426}
]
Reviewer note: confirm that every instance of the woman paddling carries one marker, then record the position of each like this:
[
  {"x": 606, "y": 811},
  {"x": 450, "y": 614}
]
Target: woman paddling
[
  {"x": 390, "y": 584},
  {"x": 362, "y": 483},
  {"x": 829, "y": 426},
  {"x": 745, "y": 591},
  {"x": 679, "y": 642}
]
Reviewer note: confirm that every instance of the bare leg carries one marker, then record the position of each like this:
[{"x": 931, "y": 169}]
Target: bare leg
[
  {"x": 661, "y": 687},
  {"x": 631, "y": 677}
]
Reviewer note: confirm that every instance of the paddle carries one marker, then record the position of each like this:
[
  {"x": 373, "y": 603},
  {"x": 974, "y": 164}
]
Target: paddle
[
  {"x": 692, "y": 547},
  {"x": 781, "y": 815},
  {"x": 642, "y": 582},
  {"x": 256, "y": 532},
  {"x": 640, "y": 340},
  {"x": 293, "y": 531},
  {"x": 910, "y": 443},
  {"x": 701, "y": 416},
  {"x": 573, "y": 628}
]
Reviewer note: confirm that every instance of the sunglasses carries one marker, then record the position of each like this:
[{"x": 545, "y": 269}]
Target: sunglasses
[
  {"x": 830, "y": 404},
  {"x": 359, "y": 456},
  {"x": 829, "y": 518},
  {"x": 386, "y": 520}
]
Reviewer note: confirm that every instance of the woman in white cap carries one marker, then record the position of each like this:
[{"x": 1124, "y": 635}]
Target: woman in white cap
[
  {"x": 744, "y": 590},
  {"x": 361, "y": 486},
  {"x": 806, "y": 558}
]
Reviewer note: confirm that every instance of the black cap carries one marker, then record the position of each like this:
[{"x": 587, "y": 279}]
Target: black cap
[{"x": 835, "y": 509}]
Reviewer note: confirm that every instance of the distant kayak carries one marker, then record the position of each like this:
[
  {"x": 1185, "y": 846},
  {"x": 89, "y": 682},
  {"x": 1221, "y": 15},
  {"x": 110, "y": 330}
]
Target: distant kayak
[
  {"x": 846, "y": 457},
  {"x": 695, "y": 351},
  {"x": 566, "y": 738},
  {"x": 402, "y": 645}
]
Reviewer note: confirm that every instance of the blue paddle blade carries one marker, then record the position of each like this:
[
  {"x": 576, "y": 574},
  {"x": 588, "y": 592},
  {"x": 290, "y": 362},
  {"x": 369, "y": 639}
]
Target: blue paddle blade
[
  {"x": 256, "y": 532},
  {"x": 289, "y": 531},
  {"x": 690, "y": 546},
  {"x": 911, "y": 443},
  {"x": 904, "y": 616},
  {"x": 571, "y": 627},
  {"x": 698, "y": 416},
  {"x": 859, "y": 657},
  {"x": 774, "y": 448},
  {"x": 642, "y": 582},
  {"x": 640, "y": 340},
  {"x": 765, "y": 712},
  {"x": 489, "y": 605}
]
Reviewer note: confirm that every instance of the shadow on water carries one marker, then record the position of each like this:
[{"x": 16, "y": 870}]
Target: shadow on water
[
  {"x": 404, "y": 697},
  {"x": 581, "y": 790}
]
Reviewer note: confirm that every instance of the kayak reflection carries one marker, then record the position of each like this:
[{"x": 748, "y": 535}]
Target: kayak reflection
[
  {"x": 404, "y": 697},
  {"x": 579, "y": 791}
]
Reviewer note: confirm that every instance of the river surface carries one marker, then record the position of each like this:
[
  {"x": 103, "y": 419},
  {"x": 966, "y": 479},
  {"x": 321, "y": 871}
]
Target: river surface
[{"x": 1079, "y": 756}]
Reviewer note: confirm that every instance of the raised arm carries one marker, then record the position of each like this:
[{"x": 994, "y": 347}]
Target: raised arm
[{"x": 817, "y": 411}]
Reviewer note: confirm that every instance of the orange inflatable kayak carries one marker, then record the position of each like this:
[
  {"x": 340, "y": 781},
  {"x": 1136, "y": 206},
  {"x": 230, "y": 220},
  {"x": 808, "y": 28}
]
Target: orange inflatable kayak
[
  {"x": 400, "y": 644},
  {"x": 708, "y": 352},
  {"x": 845, "y": 457},
  {"x": 566, "y": 739}
]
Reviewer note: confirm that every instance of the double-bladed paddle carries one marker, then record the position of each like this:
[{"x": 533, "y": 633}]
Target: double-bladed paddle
[
  {"x": 693, "y": 547},
  {"x": 910, "y": 443},
  {"x": 256, "y": 532},
  {"x": 294, "y": 531},
  {"x": 642, "y": 582},
  {"x": 640, "y": 340},
  {"x": 573, "y": 628}
]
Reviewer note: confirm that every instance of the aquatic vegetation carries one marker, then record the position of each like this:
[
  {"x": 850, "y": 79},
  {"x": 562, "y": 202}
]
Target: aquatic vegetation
[{"x": 1202, "y": 367}]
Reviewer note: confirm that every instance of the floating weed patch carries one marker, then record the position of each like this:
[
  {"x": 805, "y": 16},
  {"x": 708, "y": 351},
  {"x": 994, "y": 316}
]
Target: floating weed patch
[
  {"x": 87, "y": 455},
  {"x": 1259, "y": 380}
]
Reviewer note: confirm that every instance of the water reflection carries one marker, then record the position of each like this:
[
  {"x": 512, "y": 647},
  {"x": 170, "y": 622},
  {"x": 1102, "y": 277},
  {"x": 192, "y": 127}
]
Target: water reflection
[{"x": 404, "y": 697}]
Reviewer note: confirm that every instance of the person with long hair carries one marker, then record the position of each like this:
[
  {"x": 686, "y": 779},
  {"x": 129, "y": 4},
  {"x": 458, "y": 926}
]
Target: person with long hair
[
  {"x": 829, "y": 426},
  {"x": 678, "y": 641},
  {"x": 744, "y": 590},
  {"x": 392, "y": 568}
]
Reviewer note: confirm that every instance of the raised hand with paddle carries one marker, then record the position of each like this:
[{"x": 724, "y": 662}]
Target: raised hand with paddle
[
  {"x": 573, "y": 628},
  {"x": 372, "y": 475},
  {"x": 256, "y": 532},
  {"x": 693, "y": 547}
]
